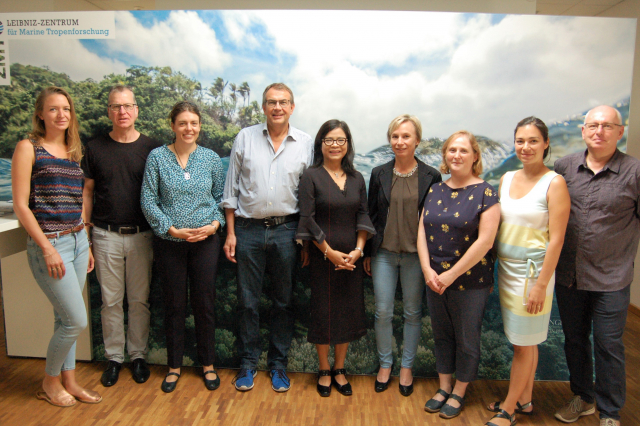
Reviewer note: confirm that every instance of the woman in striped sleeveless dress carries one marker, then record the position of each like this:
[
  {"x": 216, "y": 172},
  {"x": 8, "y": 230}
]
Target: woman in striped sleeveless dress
[
  {"x": 535, "y": 208},
  {"x": 47, "y": 182}
]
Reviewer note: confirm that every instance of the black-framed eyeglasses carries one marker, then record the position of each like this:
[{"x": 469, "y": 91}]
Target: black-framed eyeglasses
[
  {"x": 127, "y": 107},
  {"x": 607, "y": 127},
  {"x": 339, "y": 141},
  {"x": 271, "y": 103}
]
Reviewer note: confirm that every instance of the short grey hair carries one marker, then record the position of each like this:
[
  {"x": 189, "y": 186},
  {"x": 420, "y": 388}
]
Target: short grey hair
[
  {"x": 119, "y": 88},
  {"x": 277, "y": 86}
]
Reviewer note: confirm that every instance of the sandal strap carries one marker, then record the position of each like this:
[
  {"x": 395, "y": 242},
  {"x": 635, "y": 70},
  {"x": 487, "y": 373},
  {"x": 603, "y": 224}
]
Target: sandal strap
[
  {"x": 322, "y": 373},
  {"x": 502, "y": 414},
  {"x": 457, "y": 398},
  {"x": 524, "y": 406},
  {"x": 339, "y": 371},
  {"x": 171, "y": 373},
  {"x": 496, "y": 406},
  {"x": 443, "y": 393}
]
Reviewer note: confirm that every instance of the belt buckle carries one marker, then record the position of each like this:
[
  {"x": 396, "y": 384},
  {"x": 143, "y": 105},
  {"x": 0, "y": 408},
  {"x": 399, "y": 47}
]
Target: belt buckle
[
  {"x": 269, "y": 221},
  {"x": 126, "y": 230}
]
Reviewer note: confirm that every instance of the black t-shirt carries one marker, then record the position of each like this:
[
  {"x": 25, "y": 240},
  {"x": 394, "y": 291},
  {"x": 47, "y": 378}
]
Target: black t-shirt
[{"x": 117, "y": 169}]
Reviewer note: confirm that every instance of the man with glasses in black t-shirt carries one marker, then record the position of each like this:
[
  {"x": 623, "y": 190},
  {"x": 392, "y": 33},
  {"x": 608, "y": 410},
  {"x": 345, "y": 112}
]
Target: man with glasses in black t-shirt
[{"x": 113, "y": 166}]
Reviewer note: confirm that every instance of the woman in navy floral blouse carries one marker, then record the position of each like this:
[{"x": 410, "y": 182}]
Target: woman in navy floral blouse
[
  {"x": 459, "y": 223},
  {"x": 181, "y": 190}
]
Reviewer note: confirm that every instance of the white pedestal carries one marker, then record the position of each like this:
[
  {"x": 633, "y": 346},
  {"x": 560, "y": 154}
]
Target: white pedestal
[{"x": 28, "y": 315}]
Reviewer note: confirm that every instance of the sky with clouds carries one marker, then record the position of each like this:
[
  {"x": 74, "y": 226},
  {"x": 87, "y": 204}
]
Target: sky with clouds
[{"x": 479, "y": 72}]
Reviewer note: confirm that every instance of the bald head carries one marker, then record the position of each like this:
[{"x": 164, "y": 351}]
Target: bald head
[{"x": 604, "y": 111}]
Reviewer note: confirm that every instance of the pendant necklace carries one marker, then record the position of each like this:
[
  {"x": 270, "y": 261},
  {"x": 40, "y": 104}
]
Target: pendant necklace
[
  {"x": 187, "y": 175},
  {"x": 338, "y": 175}
]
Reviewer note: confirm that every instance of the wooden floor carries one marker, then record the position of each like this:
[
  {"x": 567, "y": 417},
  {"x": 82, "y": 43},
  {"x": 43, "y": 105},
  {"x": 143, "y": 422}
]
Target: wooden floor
[{"x": 128, "y": 403}]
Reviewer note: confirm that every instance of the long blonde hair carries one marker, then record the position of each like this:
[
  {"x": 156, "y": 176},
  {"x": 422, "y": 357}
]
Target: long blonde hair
[{"x": 72, "y": 137}]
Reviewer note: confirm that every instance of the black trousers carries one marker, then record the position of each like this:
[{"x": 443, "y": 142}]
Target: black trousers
[
  {"x": 605, "y": 313},
  {"x": 192, "y": 265},
  {"x": 456, "y": 321}
]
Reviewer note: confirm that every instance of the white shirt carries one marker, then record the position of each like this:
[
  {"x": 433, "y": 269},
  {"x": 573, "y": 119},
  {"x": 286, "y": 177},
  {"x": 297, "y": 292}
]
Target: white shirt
[{"x": 261, "y": 182}]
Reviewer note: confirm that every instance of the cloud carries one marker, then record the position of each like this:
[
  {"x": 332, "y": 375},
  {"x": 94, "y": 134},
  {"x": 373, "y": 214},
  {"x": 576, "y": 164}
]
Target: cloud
[
  {"x": 490, "y": 75},
  {"x": 64, "y": 55},
  {"x": 183, "y": 42}
]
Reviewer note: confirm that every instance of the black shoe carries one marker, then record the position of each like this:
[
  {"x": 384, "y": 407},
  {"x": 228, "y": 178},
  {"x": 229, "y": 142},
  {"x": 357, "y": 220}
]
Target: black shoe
[
  {"x": 406, "y": 390},
  {"x": 324, "y": 391},
  {"x": 110, "y": 375},
  {"x": 343, "y": 389},
  {"x": 449, "y": 411},
  {"x": 211, "y": 384},
  {"x": 139, "y": 370},
  {"x": 381, "y": 387},
  {"x": 433, "y": 405},
  {"x": 168, "y": 387}
]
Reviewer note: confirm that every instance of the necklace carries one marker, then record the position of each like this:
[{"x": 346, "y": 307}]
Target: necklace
[
  {"x": 338, "y": 175},
  {"x": 187, "y": 175},
  {"x": 405, "y": 175}
]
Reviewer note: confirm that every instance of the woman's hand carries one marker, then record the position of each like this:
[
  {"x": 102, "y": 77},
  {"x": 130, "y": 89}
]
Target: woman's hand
[
  {"x": 353, "y": 257},
  {"x": 92, "y": 262},
  {"x": 429, "y": 279},
  {"x": 340, "y": 259},
  {"x": 366, "y": 264},
  {"x": 183, "y": 233},
  {"x": 537, "y": 296},
  {"x": 444, "y": 280},
  {"x": 55, "y": 265}
]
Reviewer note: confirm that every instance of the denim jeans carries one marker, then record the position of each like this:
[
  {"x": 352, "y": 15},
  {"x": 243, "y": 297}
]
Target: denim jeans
[
  {"x": 385, "y": 267},
  {"x": 261, "y": 249},
  {"x": 65, "y": 294},
  {"x": 606, "y": 312}
]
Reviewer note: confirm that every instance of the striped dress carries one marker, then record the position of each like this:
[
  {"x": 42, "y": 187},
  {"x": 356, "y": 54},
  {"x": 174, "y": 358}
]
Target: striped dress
[
  {"x": 56, "y": 191},
  {"x": 522, "y": 244}
]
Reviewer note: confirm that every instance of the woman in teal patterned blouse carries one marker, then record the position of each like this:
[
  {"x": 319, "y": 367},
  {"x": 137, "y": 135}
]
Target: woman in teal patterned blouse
[{"x": 180, "y": 194}]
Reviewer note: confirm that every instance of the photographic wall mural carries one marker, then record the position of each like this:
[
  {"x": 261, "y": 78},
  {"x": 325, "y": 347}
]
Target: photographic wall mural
[{"x": 478, "y": 72}]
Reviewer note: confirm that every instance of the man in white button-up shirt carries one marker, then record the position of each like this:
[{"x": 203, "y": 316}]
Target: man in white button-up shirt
[{"x": 261, "y": 206}]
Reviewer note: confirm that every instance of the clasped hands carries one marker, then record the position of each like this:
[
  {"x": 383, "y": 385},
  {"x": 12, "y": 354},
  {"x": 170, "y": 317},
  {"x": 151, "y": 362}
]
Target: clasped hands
[
  {"x": 342, "y": 260},
  {"x": 193, "y": 235},
  {"x": 439, "y": 283}
]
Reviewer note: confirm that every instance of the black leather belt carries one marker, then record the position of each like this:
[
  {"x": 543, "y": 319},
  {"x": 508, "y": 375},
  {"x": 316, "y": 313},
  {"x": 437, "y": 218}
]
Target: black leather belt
[
  {"x": 274, "y": 220},
  {"x": 124, "y": 229}
]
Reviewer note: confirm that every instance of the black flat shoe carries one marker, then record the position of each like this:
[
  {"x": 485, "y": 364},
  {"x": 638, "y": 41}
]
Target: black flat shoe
[
  {"x": 139, "y": 370},
  {"x": 110, "y": 375},
  {"x": 324, "y": 391},
  {"x": 168, "y": 387},
  {"x": 343, "y": 389},
  {"x": 449, "y": 411},
  {"x": 211, "y": 384},
  {"x": 406, "y": 390},
  {"x": 433, "y": 405}
]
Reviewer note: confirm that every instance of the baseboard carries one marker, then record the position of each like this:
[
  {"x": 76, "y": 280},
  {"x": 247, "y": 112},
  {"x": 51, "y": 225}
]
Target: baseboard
[{"x": 634, "y": 309}]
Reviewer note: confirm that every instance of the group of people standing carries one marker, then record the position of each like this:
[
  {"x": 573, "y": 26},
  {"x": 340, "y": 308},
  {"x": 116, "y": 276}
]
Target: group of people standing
[{"x": 144, "y": 200}]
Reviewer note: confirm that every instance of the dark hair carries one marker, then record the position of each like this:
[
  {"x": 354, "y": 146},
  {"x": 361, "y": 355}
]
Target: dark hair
[
  {"x": 347, "y": 160},
  {"x": 542, "y": 128}
]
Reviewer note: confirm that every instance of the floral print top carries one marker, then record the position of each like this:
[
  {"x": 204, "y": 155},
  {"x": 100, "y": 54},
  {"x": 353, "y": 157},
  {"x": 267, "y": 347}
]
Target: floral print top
[{"x": 451, "y": 221}]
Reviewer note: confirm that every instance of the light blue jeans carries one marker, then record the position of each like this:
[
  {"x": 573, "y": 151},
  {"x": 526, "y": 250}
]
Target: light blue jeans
[
  {"x": 65, "y": 294},
  {"x": 385, "y": 268}
]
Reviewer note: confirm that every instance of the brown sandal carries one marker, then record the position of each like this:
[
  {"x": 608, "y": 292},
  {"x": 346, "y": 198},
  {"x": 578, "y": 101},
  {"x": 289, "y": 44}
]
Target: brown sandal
[{"x": 43, "y": 396}]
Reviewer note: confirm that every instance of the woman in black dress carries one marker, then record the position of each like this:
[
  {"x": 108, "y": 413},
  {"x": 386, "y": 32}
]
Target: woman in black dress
[
  {"x": 459, "y": 224},
  {"x": 333, "y": 215}
]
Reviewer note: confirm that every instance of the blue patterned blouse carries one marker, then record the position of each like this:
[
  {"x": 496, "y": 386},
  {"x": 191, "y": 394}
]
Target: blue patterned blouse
[{"x": 169, "y": 199}]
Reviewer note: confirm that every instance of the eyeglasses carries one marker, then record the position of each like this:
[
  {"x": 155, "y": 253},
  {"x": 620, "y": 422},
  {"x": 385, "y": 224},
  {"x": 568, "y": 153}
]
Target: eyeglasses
[
  {"x": 607, "y": 127},
  {"x": 127, "y": 107},
  {"x": 339, "y": 141},
  {"x": 271, "y": 103}
]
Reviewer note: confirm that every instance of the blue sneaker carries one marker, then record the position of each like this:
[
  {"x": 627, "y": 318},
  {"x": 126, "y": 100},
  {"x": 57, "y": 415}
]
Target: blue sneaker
[
  {"x": 279, "y": 380},
  {"x": 244, "y": 379}
]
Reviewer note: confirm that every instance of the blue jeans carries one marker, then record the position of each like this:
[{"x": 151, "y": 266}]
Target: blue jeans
[
  {"x": 385, "y": 268},
  {"x": 259, "y": 250},
  {"x": 65, "y": 294},
  {"x": 606, "y": 313}
]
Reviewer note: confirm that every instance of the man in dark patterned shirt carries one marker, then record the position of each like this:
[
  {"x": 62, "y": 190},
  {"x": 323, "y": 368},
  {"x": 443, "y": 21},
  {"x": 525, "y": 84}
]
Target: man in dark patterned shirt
[{"x": 595, "y": 270}]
